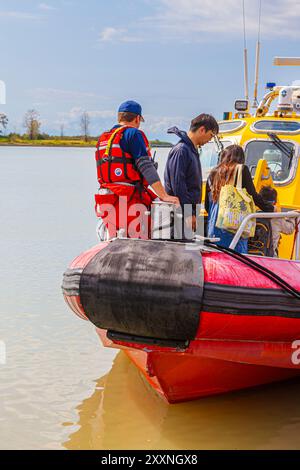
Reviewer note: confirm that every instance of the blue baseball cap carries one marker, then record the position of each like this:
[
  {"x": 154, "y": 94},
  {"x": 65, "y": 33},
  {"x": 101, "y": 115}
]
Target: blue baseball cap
[{"x": 131, "y": 107}]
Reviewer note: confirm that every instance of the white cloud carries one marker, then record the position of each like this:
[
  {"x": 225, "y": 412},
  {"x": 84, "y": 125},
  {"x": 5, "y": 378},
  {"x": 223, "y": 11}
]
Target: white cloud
[
  {"x": 24, "y": 15},
  {"x": 106, "y": 114},
  {"x": 49, "y": 94},
  {"x": 111, "y": 34},
  {"x": 19, "y": 15},
  {"x": 155, "y": 125},
  {"x": 39, "y": 104},
  {"x": 189, "y": 19},
  {"x": 213, "y": 20},
  {"x": 103, "y": 119},
  {"x": 77, "y": 111},
  {"x": 99, "y": 119},
  {"x": 74, "y": 113},
  {"x": 46, "y": 7}
]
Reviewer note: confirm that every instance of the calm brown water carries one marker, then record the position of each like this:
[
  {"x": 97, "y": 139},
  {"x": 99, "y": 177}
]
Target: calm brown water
[
  {"x": 59, "y": 388},
  {"x": 123, "y": 413}
]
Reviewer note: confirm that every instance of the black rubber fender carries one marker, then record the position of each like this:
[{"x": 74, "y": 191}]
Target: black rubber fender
[{"x": 144, "y": 288}]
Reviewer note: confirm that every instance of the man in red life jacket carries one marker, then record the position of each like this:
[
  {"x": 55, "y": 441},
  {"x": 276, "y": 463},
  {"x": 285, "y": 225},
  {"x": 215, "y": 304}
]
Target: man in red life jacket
[{"x": 125, "y": 169}]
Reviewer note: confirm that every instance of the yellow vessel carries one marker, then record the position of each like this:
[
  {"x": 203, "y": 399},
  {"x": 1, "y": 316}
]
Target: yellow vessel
[{"x": 270, "y": 137}]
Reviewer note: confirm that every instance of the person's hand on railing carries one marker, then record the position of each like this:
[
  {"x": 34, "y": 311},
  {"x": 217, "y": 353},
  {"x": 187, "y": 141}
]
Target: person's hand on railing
[
  {"x": 172, "y": 199},
  {"x": 162, "y": 194}
]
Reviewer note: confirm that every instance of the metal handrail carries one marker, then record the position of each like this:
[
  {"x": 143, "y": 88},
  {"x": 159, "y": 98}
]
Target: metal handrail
[{"x": 266, "y": 215}]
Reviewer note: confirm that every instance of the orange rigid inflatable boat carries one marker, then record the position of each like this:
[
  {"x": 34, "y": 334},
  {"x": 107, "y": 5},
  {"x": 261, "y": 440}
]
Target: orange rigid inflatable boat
[{"x": 196, "y": 320}]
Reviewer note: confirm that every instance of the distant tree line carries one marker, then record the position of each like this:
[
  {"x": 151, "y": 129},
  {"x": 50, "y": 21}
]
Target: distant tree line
[{"x": 32, "y": 125}]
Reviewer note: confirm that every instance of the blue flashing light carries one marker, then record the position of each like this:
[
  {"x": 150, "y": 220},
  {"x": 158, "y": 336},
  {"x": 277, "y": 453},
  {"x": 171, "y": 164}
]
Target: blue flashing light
[{"x": 270, "y": 85}]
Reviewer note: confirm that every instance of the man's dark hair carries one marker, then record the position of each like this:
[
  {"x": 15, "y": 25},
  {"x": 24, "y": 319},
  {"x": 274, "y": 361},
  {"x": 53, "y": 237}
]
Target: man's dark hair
[
  {"x": 205, "y": 120},
  {"x": 126, "y": 117},
  {"x": 268, "y": 194}
]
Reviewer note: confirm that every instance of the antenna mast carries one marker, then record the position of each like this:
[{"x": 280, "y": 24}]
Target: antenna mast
[
  {"x": 245, "y": 57},
  {"x": 255, "y": 102}
]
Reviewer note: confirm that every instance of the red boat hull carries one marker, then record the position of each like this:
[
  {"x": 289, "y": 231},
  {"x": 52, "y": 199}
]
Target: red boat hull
[
  {"x": 181, "y": 377},
  {"x": 234, "y": 348}
]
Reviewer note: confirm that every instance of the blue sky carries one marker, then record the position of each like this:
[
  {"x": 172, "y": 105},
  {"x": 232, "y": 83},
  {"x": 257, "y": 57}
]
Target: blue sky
[{"x": 176, "y": 57}]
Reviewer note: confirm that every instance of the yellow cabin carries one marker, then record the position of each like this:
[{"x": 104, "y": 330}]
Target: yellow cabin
[{"x": 270, "y": 138}]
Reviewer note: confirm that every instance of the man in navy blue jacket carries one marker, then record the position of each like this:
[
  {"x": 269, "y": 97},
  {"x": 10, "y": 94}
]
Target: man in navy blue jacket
[{"x": 183, "y": 175}]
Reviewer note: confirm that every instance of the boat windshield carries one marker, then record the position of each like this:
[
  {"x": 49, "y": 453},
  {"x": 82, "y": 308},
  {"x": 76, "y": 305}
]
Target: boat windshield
[
  {"x": 209, "y": 156},
  {"x": 278, "y": 159}
]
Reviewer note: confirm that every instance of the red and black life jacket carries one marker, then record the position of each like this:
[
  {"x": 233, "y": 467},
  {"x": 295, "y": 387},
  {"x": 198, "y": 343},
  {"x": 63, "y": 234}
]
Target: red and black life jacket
[{"x": 113, "y": 164}]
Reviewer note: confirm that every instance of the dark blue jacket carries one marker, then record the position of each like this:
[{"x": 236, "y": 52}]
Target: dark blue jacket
[{"x": 183, "y": 175}]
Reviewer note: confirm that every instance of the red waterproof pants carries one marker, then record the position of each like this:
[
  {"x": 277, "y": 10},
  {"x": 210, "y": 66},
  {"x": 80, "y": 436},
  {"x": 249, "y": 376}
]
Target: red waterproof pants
[{"x": 127, "y": 208}]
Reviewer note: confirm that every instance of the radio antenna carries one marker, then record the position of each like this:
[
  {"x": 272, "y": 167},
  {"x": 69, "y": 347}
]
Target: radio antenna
[
  {"x": 245, "y": 56},
  {"x": 255, "y": 102}
]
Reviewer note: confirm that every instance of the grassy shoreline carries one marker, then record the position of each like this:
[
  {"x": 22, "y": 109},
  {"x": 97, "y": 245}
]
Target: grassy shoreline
[
  {"x": 18, "y": 142},
  {"x": 6, "y": 141}
]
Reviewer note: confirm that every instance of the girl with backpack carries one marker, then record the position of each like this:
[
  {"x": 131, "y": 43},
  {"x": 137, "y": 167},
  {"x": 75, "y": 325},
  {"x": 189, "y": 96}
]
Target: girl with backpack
[{"x": 230, "y": 197}]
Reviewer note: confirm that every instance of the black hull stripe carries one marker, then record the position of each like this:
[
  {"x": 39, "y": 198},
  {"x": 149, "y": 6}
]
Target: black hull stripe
[
  {"x": 220, "y": 298},
  {"x": 235, "y": 300},
  {"x": 71, "y": 281}
]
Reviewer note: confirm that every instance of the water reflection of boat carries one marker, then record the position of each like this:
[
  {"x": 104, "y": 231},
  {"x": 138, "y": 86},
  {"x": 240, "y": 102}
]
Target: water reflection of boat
[{"x": 120, "y": 415}]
